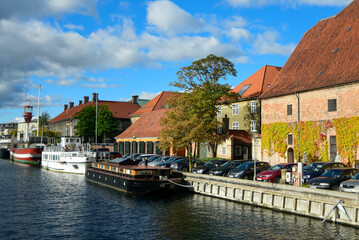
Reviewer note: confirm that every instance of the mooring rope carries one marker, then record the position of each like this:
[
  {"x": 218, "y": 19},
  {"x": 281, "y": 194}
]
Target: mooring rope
[{"x": 181, "y": 185}]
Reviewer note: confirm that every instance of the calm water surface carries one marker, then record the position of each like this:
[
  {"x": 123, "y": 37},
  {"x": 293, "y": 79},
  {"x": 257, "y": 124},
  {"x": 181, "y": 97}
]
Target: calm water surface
[{"x": 39, "y": 204}]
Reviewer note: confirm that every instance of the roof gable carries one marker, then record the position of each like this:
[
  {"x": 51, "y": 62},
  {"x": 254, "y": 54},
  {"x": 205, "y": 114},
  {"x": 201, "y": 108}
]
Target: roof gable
[
  {"x": 119, "y": 110},
  {"x": 148, "y": 125},
  {"x": 258, "y": 82},
  {"x": 327, "y": 55},
  {"x": 157, "y": 103}
]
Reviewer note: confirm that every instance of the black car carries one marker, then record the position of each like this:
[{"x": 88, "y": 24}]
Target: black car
[
  {"x": 149, "y": 159},
  {"x": 246, "y": 170},
  {"x": 204, "y": 169},
  {"x": 318, "y": 168},
  {"x": 225, "y": 168},
  {"x": 168, "y": 161},
  {"x": 332, "y": 178},
  {"x": 183, "y": 164},
  {"x": 129, "y": 160}
]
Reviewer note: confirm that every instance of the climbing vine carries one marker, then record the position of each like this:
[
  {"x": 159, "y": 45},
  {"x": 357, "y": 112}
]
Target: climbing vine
[
  {"x": 311, "y": 137},
  {"x": 347, "y": 137}
]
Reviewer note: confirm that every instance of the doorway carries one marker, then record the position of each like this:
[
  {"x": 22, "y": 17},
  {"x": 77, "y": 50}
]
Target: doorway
[{"x": 290, "y": 155}]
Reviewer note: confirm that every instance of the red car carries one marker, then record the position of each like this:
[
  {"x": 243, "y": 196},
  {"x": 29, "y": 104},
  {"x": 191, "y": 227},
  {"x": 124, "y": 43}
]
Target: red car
[{"x": 273, "y": 175}]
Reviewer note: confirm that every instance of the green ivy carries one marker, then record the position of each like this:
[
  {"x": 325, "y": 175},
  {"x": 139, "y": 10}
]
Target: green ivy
[
  {"x": 313, "y": 138},
  {"x": 347, "y": 137}
]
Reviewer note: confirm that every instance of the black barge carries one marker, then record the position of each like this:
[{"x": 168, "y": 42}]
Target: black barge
[{"x": 134, "y": 179}]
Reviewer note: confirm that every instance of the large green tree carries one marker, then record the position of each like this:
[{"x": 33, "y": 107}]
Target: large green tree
[
  {"x": 44, "y": 119},
  {"x": 107, "y": 125},
  {"x": 197, "y": 107}
]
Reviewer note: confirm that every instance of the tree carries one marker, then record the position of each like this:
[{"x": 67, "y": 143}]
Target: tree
[
  {"x": 86, "y": 122},
  {"x": 107, "y": 125},
  {"x": 44, "y": 119},
  {"x": 197, "y": 108}
]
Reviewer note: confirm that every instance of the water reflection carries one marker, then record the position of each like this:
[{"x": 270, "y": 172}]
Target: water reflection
[{"x": 39, "y": 204}]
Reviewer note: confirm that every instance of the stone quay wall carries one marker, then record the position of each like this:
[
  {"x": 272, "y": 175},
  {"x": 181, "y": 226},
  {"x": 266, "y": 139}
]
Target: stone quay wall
[{"x": 304, "y": 201}]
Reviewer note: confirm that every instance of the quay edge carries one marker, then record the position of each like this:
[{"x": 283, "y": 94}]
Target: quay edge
[{"x": 315, "y": 203}]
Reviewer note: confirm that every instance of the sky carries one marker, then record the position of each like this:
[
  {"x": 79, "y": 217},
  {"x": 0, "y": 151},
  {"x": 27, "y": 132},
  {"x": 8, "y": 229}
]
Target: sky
[{"x": 124, "y": 48}]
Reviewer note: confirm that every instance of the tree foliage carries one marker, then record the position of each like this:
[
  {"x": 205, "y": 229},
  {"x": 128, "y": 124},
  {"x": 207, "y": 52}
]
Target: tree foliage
[
  {"x": 192, "y": 118},
  {"x": 44, "y": 119},
  {"x": 107, "y": 125}
]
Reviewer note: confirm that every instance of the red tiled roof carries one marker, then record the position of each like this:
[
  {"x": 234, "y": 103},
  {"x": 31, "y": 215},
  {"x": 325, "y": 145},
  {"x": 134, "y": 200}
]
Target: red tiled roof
[
  {"x": 119, "y": 110},
  {"x": 148, "y": 125},
  {"x": 158, "y": 103},
  {"x": 259, "y": 81},
  {"x": 327, "y": 55},
  {"x": 241, "y": 136}
]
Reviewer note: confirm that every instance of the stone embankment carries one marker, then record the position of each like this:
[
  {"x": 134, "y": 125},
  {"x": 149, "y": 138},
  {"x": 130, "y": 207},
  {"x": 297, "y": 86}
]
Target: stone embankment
[{"x": 314, "y": 203}]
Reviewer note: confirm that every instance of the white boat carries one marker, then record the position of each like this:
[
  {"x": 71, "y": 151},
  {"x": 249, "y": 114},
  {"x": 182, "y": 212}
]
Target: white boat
[{"x": 71, "y": 156}]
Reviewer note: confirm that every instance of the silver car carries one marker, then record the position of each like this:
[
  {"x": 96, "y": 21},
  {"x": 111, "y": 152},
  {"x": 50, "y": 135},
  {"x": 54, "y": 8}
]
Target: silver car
[{"x": 351, "y": 185}]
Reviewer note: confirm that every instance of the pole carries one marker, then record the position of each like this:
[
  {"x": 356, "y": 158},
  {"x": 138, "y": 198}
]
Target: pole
[
  {"x": 38, "y": 112},
  {"x": 96, "y": 119},
  {"x": 297, "y": 95}
]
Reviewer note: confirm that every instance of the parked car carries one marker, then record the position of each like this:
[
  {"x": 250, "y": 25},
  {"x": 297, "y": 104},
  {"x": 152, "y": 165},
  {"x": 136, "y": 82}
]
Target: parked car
[
  {"x": 149, "y": 159},
  {"x": 128, "y": 159},
  {"x": 161, "y": 160},
  {"x": 273, "y": 174},
  {"x": 246, "y": 170},
  {"x": 226, "y": 167},
  {"x": 168, "y": 162},
  {"x": 318, "y": 168},
  {"x": 351, "y": 185},
  {"x": 204, "y": 169},
  {"x": 332, "y": 178},
  {"x": 143, "y": 156},
  {"x": 112, "y": 155},
  {"x": 183, "y": 164}
]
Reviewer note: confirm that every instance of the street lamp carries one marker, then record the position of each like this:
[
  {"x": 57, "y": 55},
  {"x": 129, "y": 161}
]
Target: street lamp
[
  {"x": 133, "y": 143},
  {"x": 255, "y": 138}
]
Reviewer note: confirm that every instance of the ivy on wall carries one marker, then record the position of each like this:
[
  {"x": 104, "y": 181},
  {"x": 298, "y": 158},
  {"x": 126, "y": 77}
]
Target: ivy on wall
[
  {"x": 347, "y": 137},
  {"x": 313, "y": 138}
]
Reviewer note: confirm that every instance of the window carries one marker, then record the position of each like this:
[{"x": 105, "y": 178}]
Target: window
[
  {"x": 235, "y": 125},
  {"x": 224, "y": 150},
  {"x": 253, "y": 125},
  {"x": 243, "y": 89},
  {"x": 235, "y": 109},
  {"x": 219, "y": 113},
  {"x": 289, "y": 109},
  {"x": 219, "y": 129},
  {"x": 332, "y": 105},
  {"x": 238, "y": 150},
  {"x": 253, "y": 107},
  {"x": 290, "y": 139}
]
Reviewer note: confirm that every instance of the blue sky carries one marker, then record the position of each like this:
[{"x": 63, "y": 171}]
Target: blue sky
[{"x": 125, "y": 48}]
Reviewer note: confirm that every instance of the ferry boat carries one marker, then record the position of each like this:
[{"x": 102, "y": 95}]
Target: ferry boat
[
  {"x": 70, "y": 156},
  {"x": 134, "y": 179}
]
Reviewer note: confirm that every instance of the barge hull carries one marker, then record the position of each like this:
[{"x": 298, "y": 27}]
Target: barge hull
[{"x": 133, "y": 186}]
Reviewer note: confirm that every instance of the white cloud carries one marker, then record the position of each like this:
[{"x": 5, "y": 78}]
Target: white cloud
[
  {"x": 235, "y": 21},
  {"x": 41, "y": 8},
  {"x": 167, "y": 17},
  {"x": 239, "y": 33},
  {"x": 147, "y": 95},
  {"x": 290, "y": 3},
  {"x": 74, "y": 27},
  {"x": 266, "y": 43}
]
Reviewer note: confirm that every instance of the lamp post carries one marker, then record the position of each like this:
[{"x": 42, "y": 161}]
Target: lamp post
[
  {"x": 133, "y": 143},
  {"x": 255, "y": 138}
]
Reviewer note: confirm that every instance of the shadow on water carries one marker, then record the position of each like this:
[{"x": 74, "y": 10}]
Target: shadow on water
[{"x": 40, "y": 204}]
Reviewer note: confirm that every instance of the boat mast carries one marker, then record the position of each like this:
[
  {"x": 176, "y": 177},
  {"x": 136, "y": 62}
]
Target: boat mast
[{"x": 38, "y": 112}]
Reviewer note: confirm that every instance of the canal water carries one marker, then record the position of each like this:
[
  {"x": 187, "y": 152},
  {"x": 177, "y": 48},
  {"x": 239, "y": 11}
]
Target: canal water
[{"x": 40, "y": 204}]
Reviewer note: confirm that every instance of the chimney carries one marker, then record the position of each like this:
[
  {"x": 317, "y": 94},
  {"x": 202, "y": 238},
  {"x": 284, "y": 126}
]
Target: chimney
[
  {"x": 134, "y": 99},
  {"x": 86, "y": 99},
  {"x": 95, "y": 97},
  {"x": 80, "y": 102},
  {"x": 65, "y": 107},
  {"x": 71, "y": 105}
]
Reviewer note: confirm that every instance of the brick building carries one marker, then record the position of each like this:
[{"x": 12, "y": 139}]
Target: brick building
[{"x": 312, "y": 110}]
